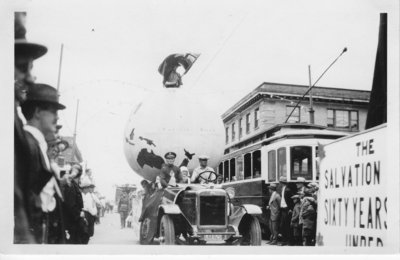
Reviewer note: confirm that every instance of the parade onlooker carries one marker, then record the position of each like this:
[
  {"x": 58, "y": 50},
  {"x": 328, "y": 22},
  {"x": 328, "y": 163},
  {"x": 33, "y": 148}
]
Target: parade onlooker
[
  {"x": 75, "y": 222},
  {"x": 185, "y": 176},
  {"x": 286, "y": 211},
  {"x": 274, "y": 208},
  {"x": 308, "y": 215},
  {"x": 207, "y": 176},
  {"x": 123, "y": 208},
  {"x": 24, "y": 55},
  {"x": 40, "y": 110},
  {"x": 89, "y": 208},
  {"x": 170, "y": 173},
  {"x": 294, "y": 223},
  {"x": 300, "y": 184}
]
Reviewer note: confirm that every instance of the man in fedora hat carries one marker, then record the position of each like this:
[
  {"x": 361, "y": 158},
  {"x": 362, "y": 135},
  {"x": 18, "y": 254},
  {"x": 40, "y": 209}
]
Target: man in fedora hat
[
  {"x": 274, "y": 208},
  {"x": 198, "y": 177},
  {"x": 286, "y": 211},
  {"x": 24, "y": 54},
  {"x": 300, "y": 184},
  {"x": 170, "y": 174},
  {"x": 40, "y": 110}
]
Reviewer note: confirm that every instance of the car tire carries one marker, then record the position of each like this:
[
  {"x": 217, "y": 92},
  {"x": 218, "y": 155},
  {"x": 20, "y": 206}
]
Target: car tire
[
  {"x": 167, "y": 231},
  {"x": 146, "y": 235},
  {"x": 252, "y": 235}
]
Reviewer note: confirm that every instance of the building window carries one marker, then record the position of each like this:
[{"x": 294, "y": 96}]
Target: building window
[
  {"x": 227, "y": 135},
  {"x": 226, "y": 171},
  {"x": 233, "y": 132},
  {"x": 295, "y": 117},
  {"x": 247, "y": 166},
  {"x": 344, "y": 119},
  {"x": 282, "y": 162},
  {"x": 272, "y": 166},
  {"x": 256, "y": 164},
  {"x": 232, "y": 169},
  {"x": 240, "y": 128},
  {"x": 301, "y": 162},
  {"x": 256, "y": 114},
  {"x": 248, "y": 123}
]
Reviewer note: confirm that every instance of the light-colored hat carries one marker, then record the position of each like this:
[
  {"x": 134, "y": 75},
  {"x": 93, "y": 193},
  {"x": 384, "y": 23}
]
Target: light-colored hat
[
  {"x": 295, "y": 197},
  {"x": 300, "y": 179},
  {"x": 203, "y": 157},
  {"x": 85, "y": 183},
  {"x": 282, "y": 179},
  {"x": 272, "y": 186},
  {"x": 184, "y": 168},
  {"x": 312, "y": 185}
]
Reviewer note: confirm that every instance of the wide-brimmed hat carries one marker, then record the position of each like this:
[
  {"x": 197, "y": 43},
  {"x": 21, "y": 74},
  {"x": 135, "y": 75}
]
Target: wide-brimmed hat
[
  {"x": 203, "y": 157},
  {"x": 170, "y": 155},
  {"x": 282, "y": 179},
  {"x": 312, "y": 185},
  {"x": 43, "y": 93},
  {"x": 300, "y": 180},
  {"x": 21, "y": 46},
  {"x": 272, "y": 186}
]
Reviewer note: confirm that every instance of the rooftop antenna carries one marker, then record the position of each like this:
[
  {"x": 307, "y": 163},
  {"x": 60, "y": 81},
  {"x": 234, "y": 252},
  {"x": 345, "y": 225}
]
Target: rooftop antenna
[{"x": 310, "y": 88}]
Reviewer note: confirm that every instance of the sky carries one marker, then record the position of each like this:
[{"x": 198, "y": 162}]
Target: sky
[{"x": 112, "y": 50}]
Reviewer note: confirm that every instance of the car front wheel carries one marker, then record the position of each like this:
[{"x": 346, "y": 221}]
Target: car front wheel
[
  {"x": 252, "y": 234},
  {"x": 167, "y": 231}
]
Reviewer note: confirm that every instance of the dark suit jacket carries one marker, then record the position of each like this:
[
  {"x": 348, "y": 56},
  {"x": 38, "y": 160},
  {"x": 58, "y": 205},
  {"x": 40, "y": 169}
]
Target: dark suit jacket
[
  {"x": 165, "y": 174},
  {"x": 73, "y": 204},
  {"x": 21, "y": 174},
  {"x": 287, "y": 195},
  {"x": 39, "y": 175}
]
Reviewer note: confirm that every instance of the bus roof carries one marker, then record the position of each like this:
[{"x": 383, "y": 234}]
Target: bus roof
[{"x": 283, "y": 131}]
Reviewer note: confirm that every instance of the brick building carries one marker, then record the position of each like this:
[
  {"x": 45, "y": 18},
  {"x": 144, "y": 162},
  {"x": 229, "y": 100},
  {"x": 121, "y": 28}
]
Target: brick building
[{"x": 271, "y": 103}]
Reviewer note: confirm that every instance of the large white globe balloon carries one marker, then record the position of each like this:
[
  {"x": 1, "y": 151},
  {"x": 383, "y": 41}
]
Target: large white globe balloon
[{"x": 172, "y": 120}]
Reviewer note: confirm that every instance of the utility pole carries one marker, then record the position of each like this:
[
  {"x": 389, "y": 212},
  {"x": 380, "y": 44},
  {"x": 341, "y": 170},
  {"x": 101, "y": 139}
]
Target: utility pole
[
  {"x": 311, "y": 110},
  {"x": 59, "y": 68}
]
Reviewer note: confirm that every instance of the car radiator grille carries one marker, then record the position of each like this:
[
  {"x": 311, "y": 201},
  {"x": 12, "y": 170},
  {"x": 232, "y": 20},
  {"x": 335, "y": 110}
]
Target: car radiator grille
[{"x": 212, "y": 210}]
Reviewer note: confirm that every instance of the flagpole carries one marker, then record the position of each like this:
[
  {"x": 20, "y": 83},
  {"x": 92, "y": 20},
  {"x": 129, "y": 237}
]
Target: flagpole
[
  {"x": 59, "y": 68},
  {"x": 76, "y": 122}
]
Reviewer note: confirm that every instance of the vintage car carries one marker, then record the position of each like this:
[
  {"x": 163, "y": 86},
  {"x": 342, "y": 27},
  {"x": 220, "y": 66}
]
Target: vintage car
[{"x": 198, "y": 214}]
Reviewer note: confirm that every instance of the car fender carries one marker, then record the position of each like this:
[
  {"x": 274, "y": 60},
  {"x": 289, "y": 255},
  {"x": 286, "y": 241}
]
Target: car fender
[
  {"x": 240, "y": 211},
  {"x": 170, "y": 209},
  {"x": 252, "y": 209}
]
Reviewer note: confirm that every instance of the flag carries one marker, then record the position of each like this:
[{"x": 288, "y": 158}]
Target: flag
[{"x": 168, "y": 68}]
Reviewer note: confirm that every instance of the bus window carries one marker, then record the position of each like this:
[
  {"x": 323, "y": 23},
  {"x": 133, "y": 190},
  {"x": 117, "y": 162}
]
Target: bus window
[
  {"x": 239, "y": 168},
  {"x": 272, "y": 165},
  {"x": 247, "y": 166},
  {"x": 226, "y": 171},
  {"x": 232, "y": 169},
  {"x": 257, "y": 164},
  {"x": 221, "y": 170},
  {"x": 300, "y": 162},
  {"x": 282, "y": 162}
]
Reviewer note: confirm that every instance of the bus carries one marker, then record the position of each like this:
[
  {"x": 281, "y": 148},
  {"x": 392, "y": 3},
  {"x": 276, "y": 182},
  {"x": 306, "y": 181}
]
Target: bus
[{"x": 289, "y": 150}]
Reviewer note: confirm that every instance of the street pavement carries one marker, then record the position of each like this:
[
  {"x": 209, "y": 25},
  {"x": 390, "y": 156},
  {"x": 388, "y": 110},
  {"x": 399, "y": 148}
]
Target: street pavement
[{"x": 109, "y": 232}]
